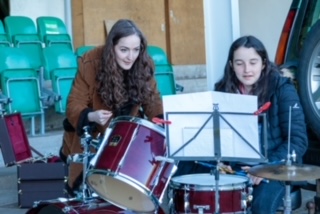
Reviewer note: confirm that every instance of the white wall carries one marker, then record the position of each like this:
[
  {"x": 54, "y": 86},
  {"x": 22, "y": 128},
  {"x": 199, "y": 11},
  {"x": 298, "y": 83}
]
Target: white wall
[
  {"x": 36, "y": 8},
  {"x": 221, "y": 23},
  {"x": 264, "y": 19}
]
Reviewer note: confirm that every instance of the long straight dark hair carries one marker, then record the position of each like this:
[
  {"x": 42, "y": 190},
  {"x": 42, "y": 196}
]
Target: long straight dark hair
[{"x": 230, "y": 83}]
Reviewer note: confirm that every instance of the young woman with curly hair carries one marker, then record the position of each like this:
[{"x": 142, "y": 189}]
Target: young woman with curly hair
[{"x": 112, "y": 80}]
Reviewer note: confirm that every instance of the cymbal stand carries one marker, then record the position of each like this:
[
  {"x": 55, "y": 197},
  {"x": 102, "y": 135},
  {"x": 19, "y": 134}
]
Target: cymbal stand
[
  {"x": 293, "y": 156},
  {"x": 85, "y": 142},
  {"x": 287, "y": 201}
]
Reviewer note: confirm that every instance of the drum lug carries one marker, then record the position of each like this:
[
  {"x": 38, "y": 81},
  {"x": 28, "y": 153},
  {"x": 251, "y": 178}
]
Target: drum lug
[
  {"x": 246, "y": 197},
  {"x": 186, "y": 202},
  {"x": 36, "y": 203},
  {"x": 249, "y": 194},
  {"x": 170, "y": 196},
  {"x": 201, "y": 208},
  {"x": 67, "y": 209}
]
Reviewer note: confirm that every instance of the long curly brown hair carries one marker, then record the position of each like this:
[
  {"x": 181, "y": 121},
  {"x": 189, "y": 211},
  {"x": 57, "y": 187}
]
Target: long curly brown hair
[{"x": 117, "y": 87}]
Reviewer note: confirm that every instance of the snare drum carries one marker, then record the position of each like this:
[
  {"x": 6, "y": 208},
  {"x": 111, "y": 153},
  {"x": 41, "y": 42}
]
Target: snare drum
[
  {"x": 196, "y": 193},
  {"x": 131, "y": 169}
]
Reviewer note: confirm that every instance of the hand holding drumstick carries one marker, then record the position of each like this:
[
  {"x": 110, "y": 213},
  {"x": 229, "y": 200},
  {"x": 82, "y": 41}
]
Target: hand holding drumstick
[{"x": 244, "y": 172}]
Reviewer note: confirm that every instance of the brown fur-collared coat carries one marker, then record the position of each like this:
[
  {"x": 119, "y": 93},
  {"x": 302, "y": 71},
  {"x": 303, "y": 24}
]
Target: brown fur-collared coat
[{"x": 84, "y": 98}]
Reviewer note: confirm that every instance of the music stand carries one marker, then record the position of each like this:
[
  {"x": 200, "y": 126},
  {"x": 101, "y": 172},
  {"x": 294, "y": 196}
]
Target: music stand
[
  {"x": 212, "y": 133},
  {"x": 204, "y": 136}
]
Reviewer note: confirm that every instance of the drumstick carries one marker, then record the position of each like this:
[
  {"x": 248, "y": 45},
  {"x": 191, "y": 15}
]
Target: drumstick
[
  {"x": 164, "y": 159},
  {"x": 222, "y": 167},
  {"x": 241, "y": 173},
  {"x": 227, "y": 170},
  {"x": 160, "y": 121},
  {"x": 263, "y": 108}
]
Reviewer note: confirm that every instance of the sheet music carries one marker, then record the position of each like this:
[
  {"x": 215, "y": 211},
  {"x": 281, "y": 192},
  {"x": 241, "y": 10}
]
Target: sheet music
[{"x": 189, "y": 112}]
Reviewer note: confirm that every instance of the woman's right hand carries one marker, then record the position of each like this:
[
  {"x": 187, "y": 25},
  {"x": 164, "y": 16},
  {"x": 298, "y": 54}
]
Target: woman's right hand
[
  {"x": 100, "y": 116},
  {"x": 254, "y": 180}
]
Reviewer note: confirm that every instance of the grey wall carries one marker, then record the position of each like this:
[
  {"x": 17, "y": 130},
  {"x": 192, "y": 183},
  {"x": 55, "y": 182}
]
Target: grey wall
[{"x": 264, "y": 19}]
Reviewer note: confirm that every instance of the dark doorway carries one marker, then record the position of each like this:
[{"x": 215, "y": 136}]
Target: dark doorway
[{"x": 4, "y": 9}]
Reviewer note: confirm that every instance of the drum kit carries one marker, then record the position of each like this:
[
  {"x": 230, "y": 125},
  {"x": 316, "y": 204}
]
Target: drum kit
[{"x": 132, "y": 173}]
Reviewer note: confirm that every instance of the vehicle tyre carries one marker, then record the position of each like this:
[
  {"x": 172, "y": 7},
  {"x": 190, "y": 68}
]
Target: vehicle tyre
[{"x": 308, "y": 78}]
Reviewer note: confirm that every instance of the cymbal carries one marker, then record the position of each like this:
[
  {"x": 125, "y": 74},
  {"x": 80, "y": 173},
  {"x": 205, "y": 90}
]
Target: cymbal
[{"x": 282, "y": 172}]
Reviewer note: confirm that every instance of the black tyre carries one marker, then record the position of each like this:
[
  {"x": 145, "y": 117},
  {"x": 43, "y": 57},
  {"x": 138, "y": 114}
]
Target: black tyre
[{"x": 309, "y": 78}]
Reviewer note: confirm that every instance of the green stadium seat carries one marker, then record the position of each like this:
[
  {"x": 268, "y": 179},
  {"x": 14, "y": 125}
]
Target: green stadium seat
[
  {"x": 163, "y": 71},
  {"x": 52, "y": 31},
  {"x": 158, "y": 55},
  {"x": 4, "y": 41},
  {"x": 166, "y": 83},
  {"x": 80, "y": 51},
  {"x": 19, "y": 82},
  {"x": 22, "y": 33},
  {"x": 21, "y": 29},
  {"x": 61, "y": 65}
]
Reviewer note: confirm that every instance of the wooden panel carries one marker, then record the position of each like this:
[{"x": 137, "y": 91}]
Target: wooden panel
[
  {"x": 186, "y": 22},
  {"x": 149, "y": 16},
  {"x": 77, "y": 23}
]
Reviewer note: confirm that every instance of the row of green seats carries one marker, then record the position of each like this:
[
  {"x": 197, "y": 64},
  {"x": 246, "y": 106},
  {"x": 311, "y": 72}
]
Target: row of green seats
[
  {"x": 48, "y": 31},
  {"x": 22, "y": 84},
  {"x": 21, "y": 32}
]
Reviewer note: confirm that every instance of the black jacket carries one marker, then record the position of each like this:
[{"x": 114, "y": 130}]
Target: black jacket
[{"x": 282, "y": 95}]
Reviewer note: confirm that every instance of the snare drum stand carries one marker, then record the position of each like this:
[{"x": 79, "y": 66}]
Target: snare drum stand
[
  {"x": 217, "y": 194},
  {"x": 85, "y": 142},
  {"x": 217, "y": 149}
]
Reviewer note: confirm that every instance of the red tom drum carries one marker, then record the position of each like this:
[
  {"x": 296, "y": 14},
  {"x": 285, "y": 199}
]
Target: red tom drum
[
  {"x": 131, "y": 169},
  {"x": 196, "y": 194}
]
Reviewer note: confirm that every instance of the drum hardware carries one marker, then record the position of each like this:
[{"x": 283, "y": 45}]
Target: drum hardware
[
  {"x": 186, "y": 203},
  {"x": 73, "y": 205},
  {"x": 86, "y": 139},
  {"x": 95, "y": 143},
  {"x": 163, "y": 159},
  {"x": 201, "y": 208},
  {"x": 247, "y": 197},
  {"x": 157, "y": 178},
  {"x": 78, "y": 158},
  {"x": 84, "y": 158}
]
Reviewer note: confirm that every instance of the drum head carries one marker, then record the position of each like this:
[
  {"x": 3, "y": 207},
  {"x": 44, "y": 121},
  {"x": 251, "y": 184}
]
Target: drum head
[
  {"x": 208, "y": 182},
  {"x": 122, "y": 192}
]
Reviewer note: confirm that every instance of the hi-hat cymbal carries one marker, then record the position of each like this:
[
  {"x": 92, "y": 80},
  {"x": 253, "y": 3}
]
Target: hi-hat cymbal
[{"x": 282, "y": 172}]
